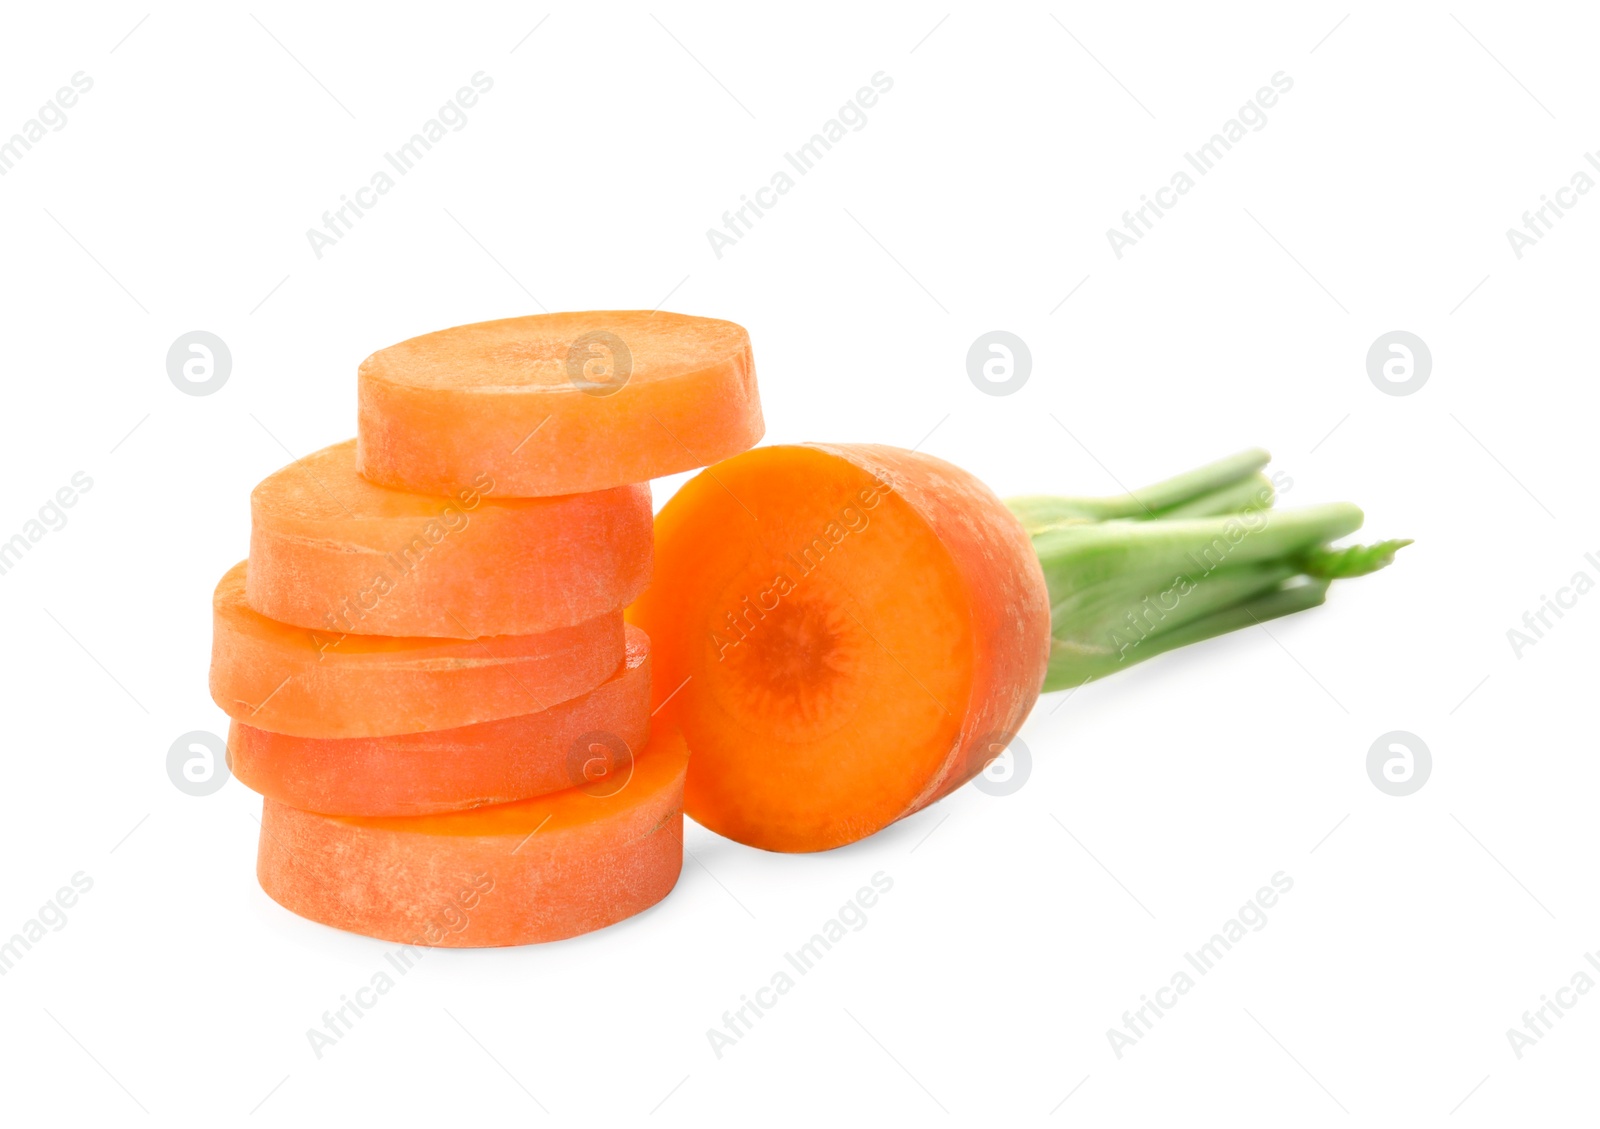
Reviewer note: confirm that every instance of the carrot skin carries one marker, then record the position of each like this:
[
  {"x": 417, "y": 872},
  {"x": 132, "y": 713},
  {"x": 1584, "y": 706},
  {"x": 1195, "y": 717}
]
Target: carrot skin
[
  {"x": 491, "y": 762},
  {"x": 513, "y": 874}
]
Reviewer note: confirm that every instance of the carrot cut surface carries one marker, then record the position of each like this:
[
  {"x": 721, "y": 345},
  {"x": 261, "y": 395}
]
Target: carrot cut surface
[
  {"x": 331, "y": 551},
  {"x": 512, "y": 874},
  {"x": 324, "y": 684},
  {"x": 557, "y": 403},
  {"x": 844, "y": 634},
  {"x": 493, "y": 762}
]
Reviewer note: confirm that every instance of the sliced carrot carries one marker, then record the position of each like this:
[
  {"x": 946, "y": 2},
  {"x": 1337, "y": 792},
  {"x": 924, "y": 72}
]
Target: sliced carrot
[
  {"x": 322, "y": 684},
  {"x": 492, "y": 762},
  {"x": 512, "y": 874},
  {"x": 844, "y": 634},
  {"x": 557, "y": 403},
  {"x": 331, "y": 551}
]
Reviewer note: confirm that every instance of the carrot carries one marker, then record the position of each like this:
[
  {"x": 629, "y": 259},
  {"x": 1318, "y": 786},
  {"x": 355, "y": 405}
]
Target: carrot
[
  {"x": 492, "y": 762},
  {"x": 557, "y": 403},
  {"x": 320, "y": 684},
  {"x": 840, "y": 632},
  {"x": 846, "y": 634},
  {"x": 512, "y": 874},
  {"x": 333, "y": 552}
]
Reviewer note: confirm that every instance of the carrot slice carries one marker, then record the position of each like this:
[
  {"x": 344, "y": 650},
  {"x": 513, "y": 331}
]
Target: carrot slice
[
  {"x": 665, "y": 393},
  {"x": 330, "y": 550},
  {"x": 844, "y": 634},
  {"x": 317, "y": 684},
  {"x": 539, "y": 870},
  {"x": 493, "y": 762}
]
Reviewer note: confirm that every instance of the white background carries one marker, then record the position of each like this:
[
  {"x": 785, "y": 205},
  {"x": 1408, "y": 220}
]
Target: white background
[{"x": 977, "y": 196}]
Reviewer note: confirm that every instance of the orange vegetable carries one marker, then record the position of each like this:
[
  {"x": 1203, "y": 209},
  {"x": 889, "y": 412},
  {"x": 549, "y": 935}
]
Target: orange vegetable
[
  {"x": 492, "y": 762},
  {"x": 320, "y": 684},
  {"x": 538, "y": 870},
  {"x": 844, "y": 634},
  {"x": 331, "y": 551},
  {"x": 557, "y": 403}
]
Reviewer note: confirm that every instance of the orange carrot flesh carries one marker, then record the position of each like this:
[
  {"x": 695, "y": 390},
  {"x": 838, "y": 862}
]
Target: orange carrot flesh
[
  {"x": 333, "y": 552},
  {"x": 513, "y": 874},
  {"x": 844, "y": 634},
  {"x": 557, "y": 403},
  {"x": 320, "y": 684},
  {"x": 493, "y": 762}
]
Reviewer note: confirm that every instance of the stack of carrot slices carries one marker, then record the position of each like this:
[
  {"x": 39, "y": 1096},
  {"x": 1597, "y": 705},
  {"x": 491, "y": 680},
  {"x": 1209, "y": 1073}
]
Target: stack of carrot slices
[{"x": 424, "y": 657}]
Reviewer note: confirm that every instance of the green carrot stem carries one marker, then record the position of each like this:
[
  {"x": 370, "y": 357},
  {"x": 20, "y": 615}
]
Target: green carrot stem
[
  {"x": 1186, "y": 487},
  {"x": 1253, "y": 493},
  {"x": 1040, "y": 512},
  {"x": 1203, "y": 555}
]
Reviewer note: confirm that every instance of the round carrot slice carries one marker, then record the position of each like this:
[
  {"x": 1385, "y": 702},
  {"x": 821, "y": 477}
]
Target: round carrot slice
[
  {"x": 493, "y": 762},
  {"x": 844, "y": 634},
  {"x": 513, "y": 874},
  {"x": 321, "y": 684},
  {"x": 557, "y": 403},
  {"x": 331, "y": 551}
]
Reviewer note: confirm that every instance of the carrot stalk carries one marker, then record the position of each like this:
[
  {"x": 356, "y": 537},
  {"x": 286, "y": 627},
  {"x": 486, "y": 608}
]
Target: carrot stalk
[
  {"x": 1193, "y": 488},
  {"x": 1196, "y": 556},
  {"x": 1248, "y": 493}
]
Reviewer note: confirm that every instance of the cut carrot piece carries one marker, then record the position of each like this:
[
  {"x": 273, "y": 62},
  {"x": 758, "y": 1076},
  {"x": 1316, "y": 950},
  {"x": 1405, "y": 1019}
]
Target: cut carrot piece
[
  {"x": 557, "y": 403},
  {"x": 493, "y": 762},
  {"x": 844, "y": 634},
  {"x": 319, "y": 684},
  {"x": 331, "y": 551},
  {"x": 513, "y": 874}
]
